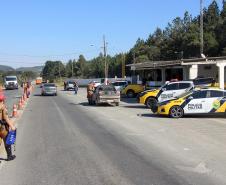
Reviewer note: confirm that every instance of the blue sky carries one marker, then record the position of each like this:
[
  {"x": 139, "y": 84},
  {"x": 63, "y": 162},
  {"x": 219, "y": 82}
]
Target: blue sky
[{"x": 33, "y": 31}]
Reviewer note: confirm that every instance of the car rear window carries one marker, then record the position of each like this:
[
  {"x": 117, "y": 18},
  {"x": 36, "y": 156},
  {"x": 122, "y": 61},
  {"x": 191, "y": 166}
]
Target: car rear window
[
  {"x": 49, "y": 85},
  {"x": 107, "y": 88}
]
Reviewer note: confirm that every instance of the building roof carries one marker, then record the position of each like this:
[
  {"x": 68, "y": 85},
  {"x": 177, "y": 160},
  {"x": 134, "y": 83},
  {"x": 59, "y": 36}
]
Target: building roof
[{"x": 182, "y": 62}]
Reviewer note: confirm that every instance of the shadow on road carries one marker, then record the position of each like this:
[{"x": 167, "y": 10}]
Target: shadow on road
[
  {"x": 203, "y": 116},
  {"x": 200, "y": 116},
  {"x": 37, "y": 95},
  {"x": 151, "y": 115},
  {"x": 135, "y": 106},
  {"x": 129, "y": 100},
  {"x": 1, "y": 159}
]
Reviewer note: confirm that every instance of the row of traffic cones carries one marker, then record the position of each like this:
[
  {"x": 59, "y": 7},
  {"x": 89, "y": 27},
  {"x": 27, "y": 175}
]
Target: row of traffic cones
[{"x": 21, "y": 103}]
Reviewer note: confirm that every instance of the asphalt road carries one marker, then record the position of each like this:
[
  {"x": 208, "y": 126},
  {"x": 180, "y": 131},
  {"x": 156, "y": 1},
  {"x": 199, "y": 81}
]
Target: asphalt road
[
  {"x": 12, "y": 96},
  {"x": 62, "y": 140}
]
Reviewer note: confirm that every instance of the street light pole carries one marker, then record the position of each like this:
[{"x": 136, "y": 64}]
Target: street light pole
[
  {"x": 201, "y": 27},
  {"x": 105, "y": 60},
  {"x": 72, "y": 69}
]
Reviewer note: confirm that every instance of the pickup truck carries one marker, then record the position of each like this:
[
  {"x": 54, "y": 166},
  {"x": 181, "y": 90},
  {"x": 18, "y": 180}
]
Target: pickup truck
[{"x": 106, "y": 94}]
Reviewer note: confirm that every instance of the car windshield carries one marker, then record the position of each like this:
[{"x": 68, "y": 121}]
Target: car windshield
[
  {"x": 10, "y": 78},
  {"x": 71, "y": 82},
  {"x": 49, "y": 85}
]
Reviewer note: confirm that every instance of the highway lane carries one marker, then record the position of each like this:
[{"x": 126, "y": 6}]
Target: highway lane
[{"x": 59, "y": 142}]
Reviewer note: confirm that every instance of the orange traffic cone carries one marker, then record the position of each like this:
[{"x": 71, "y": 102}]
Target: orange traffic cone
[
  {"x": 25, "y": 97},
  {"x": 22, "y": 100},
  {"x": 14, "y": 114},
  {"x": 20, "y": 106}
]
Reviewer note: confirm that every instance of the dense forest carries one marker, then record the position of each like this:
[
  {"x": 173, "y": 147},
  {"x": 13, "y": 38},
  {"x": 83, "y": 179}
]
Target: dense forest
[{"x": 180, "y": 39}]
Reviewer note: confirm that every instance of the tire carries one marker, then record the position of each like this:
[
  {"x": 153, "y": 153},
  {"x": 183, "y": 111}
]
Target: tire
[
  {"x": 151, "y": 102},
  {"x": 176, "y": 112},
  {"x": 117, "y": 104},
  {"x": 130, "y": 94}
]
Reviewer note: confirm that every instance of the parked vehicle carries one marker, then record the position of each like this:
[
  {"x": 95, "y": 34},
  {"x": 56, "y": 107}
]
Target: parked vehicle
[
  {"x": 132, "y": 90},
  {"x": 69, "y": 85},
  {"x": 202, "y": 101},
  {"x": 106, "y": 94},
  {"x": 168, "y": 91},
  {"x": 119, "y": 85},
  {"x": 11, "y": 82},
  {"x": 49, "y": 89}
]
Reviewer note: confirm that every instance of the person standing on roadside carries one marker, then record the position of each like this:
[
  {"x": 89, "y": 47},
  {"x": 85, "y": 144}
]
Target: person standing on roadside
[
  {"x": 5, "y": 125},
  {"x": 75, "y": 87}
]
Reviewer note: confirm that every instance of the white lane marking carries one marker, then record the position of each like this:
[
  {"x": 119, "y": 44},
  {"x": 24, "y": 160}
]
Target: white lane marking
[
  {"x": 187, "y": 149},
  {"x": 200, "y": 168},
  {"x": 134, "y": 134}
]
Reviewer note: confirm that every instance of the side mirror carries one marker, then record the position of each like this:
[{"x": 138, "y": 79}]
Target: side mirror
[{"x": 163, "y": 89}]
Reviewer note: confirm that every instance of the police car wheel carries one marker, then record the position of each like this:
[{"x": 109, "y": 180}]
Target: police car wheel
[
  {"x": 176, "y": 112},
  {"x": 151, "y": 102}
]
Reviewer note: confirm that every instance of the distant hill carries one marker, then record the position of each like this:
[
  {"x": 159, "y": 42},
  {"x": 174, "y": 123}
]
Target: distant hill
[
  {"x": 36, "y": 69},
  {"x": 6, "y": 68}
]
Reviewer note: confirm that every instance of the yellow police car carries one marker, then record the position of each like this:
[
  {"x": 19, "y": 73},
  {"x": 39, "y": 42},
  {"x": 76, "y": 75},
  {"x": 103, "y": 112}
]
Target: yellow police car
[{"x": 194, "y": 102}]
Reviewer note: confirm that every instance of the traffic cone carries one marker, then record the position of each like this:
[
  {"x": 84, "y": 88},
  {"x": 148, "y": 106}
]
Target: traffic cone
[
  {"x": 22, "y": 100},
  {"x": 20, "y": 106},
  {"x": 25, "y": 97},
  {"x": 14, "y": 114}
]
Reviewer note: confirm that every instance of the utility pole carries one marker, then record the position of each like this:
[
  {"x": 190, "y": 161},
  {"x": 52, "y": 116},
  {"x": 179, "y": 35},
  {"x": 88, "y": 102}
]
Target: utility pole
[
  {"x": 72, "y": 69},
  {"x": 201, "y": 27},
  {"x": 123, "y": 66},
  {"x": 59, "y": 71},
  {"x": 105, "y": 60}
]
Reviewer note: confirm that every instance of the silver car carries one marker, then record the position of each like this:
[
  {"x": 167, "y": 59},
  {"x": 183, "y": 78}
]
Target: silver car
[
  {"x": 49, "y": 89},
  {"x": 106, "y": 94}
]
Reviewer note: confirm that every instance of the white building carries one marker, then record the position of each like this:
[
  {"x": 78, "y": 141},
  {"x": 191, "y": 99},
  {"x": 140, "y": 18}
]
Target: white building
[{"x": 158, "y": 72}]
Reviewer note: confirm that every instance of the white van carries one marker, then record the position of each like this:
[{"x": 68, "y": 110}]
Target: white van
[{"x": 11, "y": 82}]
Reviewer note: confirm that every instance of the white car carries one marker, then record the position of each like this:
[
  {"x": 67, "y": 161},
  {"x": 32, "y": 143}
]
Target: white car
[{"x": 119, "y": 85}]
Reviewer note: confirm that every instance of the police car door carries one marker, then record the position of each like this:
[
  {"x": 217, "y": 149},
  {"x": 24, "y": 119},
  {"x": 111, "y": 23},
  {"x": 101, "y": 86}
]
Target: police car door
[
  {"x": 168, "y": 92},
  {"x": 215, "y": 100},
  {"x": 196, "y": 102}
]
